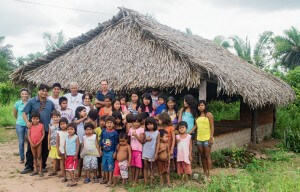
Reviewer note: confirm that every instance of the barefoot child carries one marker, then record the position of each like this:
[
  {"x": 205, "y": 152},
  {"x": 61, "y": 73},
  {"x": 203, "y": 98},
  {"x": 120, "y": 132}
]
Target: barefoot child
[
  {"x": 52, "y": 135},
  {"x": 60, "y": 145},
  {"x": 136, "y": 134},
  {"x": 184, "y": 151},
  {"x": 122, "y": 159},
  {"x": 35, "y": 138},
  {"x": 149, "y": 148},
  {"x": 109, "y": 142},
  {"x": 163, "y": 158},
  {"x": 90, "y": 151},
  {"x": 71, "y": 152}
]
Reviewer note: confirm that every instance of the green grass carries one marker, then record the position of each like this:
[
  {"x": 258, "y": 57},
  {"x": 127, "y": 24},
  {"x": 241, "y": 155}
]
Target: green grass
[
  {"x": 281, "y": 172},
  {"x": 6, "y": 115},
  {"x": 7, "y": 135},
  {"x": 224, "y": 111}
]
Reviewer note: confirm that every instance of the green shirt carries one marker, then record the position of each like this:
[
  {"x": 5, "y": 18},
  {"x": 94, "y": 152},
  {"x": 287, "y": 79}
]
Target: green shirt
[{"x": 19, "y": 107}]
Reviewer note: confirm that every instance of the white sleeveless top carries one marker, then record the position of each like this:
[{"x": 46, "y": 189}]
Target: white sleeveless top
[
  {"x": 62, "y": 138},
  {"x": 89, "y": 146}
]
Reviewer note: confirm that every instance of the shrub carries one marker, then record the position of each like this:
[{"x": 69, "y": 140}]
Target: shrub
[
  {"x": 8, "y": 92},
  {"x": 222, "y": 110}
]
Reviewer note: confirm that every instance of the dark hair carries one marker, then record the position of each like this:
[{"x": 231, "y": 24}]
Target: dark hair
[
  {"x": 137, "y": 118},
  {"x": 93, "y": 114},
  {"x": 148, "y": 97},
  {"x": 87, "y": 94},
  {"x": 129, "y": 118},
  {"x": 43, "y": 86},
  {"x": 162, "y": 133},
  {"x": 123, "y": 135},
  {"x": 171, "y": 98},
  {"x": 78, "y": 110},
  {"x": 154, "y": 89},
  {"x": 135, "y": 92},
  {"x": 162, "y": 96},
  {"x": 113, "y": 103},
  {"x": 181, "y": 123},
  {"x": 110, "y": 118},
  {"x": 205, "y": 104},
  {"x": 192, "y": 103},
  {"x": 63, "y": 120},
  {"x": 55, "y": 113},
  {"x": 74, "y": 125},
  {"x": 62, "y": 99},
  {"x": 117, "y": 115},
  {"x": 150, "y": 120},
  {"x": 56, "y": 85},
  {"x": 35, "y": 114},
  {"x": 165, "y": 118},
  {"x": 88, "y": 125},
  {"x": 143, "y": 115},
  {"x": 122, "y": 96},
  {"x": 24, "y": 89},
  {"x": 107, "y": 97},
  {"x": 102, "y": 118}
]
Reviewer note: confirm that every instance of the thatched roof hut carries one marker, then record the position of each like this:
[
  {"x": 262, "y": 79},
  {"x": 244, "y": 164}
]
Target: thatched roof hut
[{"x": 134, "y": 51}]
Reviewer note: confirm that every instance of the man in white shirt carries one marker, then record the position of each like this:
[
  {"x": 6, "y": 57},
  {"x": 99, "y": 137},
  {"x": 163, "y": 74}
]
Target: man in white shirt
[
  {"x": 56, "y": 88},
  {"x": 74, "y": 98}
]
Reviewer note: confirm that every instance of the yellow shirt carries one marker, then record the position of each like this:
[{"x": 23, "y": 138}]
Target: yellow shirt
[
  {"x": 203, "y": 129},
  {"x": 98, "y": 132}
]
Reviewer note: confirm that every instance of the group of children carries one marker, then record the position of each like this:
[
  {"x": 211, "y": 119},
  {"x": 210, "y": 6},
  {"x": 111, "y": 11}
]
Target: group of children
[{"x": 118, "y": 137}]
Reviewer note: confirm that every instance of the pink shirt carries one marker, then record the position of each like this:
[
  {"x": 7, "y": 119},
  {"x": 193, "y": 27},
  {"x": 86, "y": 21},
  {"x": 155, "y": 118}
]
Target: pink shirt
[
  {"x": 134, "y": 142},
  {"x": 36, "y": 133},
  {"x": 183, "y": 149}
]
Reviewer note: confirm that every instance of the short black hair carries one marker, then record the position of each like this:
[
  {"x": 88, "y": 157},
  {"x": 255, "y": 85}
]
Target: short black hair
[
  {"x": 137, "y": 118},
  {"x": 35, "y": 114},
  {"x": 63, "y": 120},
  {"x": 56, "y": 85},
  {"x": 150, "y": 120},
  {"x": 123, "y": 135},
  {"x": 110, "y": 118},
  {"x": 129, "y": 118},
  {"x": 88, "y": 125},
  {"x": 55, "y": 113},
  {"x": 182, "y": 123},
  {"x": 107, "y": 97},
  {"x": 162, "y": 96},
  {"x": 74, "y": 125},
  {"x": 162, "y": 132},
  {"x": 93, "y": 114},
  {"x": 43, "y": 86},
  {"x": 62, "y": 99},
  {"x": 143, "y": 115},
  {"x": 87, "y": 94},
  {"x": 117, "y": 115},
  {"x": 102, "y": 118}
]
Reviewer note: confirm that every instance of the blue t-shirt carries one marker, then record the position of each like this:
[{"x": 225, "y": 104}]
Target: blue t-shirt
[
  {"x": 100, "y": 96},
  {"x": 160, "y": 109},
  {"x": 109, "y": 140},
  {"x": 45, "y": 113},
  {"x": 19, "y": 107}
]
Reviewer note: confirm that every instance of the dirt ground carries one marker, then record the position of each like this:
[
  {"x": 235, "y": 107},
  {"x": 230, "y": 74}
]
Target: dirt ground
[{"x": 12, "y": 180}]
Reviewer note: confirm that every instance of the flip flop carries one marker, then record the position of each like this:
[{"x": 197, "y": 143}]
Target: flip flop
[
  {"x": 52, "y": 174},
  {"x": 103, "y": 182},
  {"x": 34, "y": 173},
  {"x": 96, "y": 180},
  {"x": 64, "y": 180},
  {"x": 87, "y": 180},
  {"x": 71, "y": 184}
]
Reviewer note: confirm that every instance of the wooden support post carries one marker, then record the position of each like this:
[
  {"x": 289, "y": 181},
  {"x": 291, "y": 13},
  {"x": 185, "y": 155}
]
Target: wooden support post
[
  {"x": 254, "y": 126},
  {"x": 274, "y": 120},
  {"x": 202, "y": 90},
  {"x": 30, "y": 89}
]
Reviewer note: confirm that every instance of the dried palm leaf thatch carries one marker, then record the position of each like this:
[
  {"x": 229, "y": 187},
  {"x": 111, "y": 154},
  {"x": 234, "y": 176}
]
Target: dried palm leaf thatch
[{"x": 134, "y": 51}]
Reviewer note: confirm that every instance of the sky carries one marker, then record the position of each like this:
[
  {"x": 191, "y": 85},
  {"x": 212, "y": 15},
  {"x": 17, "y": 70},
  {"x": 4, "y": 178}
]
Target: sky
[{"x": 23, "y": 24}]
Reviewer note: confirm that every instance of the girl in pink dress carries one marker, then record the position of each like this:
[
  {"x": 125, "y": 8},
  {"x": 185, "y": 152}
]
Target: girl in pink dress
[{"x": 35, "y": 137}]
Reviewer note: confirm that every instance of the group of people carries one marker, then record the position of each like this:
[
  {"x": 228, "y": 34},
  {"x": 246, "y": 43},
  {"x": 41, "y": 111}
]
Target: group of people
[{"x": 110, "y": 136}]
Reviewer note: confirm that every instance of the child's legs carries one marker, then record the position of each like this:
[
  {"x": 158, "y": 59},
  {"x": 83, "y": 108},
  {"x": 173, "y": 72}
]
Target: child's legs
[
  {"x": 34, "y": 155},
  {"x": 62, "y": 166},
  {"x": 145, "y": 170},
  {"x": 161, "y": 179},
  {"x": 133, "y": 173},
  {"x": 71, "y": 173},
  {"x": 137, "y": 170},
  {"x": 99, "y": 159},
  {"x": 167, "y": 175},
  {"x": 39, "y": 156},
  {"x": 110, "y": 174},
  {"x": 208, "y": 159},
  {"x": 88, "y": 175},
  {"x": 203, "y": 159}
]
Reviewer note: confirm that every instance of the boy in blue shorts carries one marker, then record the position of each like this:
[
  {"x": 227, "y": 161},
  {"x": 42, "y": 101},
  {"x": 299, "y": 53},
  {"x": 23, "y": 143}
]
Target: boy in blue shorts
[{"x": 108, "y": 143}]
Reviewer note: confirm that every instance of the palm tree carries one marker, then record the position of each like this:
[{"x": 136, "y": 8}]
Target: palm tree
[
  {"x": 242, "y": 48},
  {"x": 222, "y": 41},
  {"x": 287, "y": 48},
  {"x": 263, "y": 50},
  {"x": 53, "y": 41}
]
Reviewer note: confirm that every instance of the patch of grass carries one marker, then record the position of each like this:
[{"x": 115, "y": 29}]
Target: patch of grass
[
  {"x": 6, "y": 115},
  {"x": 7, "y": 134}
]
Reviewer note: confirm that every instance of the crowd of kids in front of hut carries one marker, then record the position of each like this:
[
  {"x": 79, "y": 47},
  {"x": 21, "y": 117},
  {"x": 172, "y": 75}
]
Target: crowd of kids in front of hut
[{"x": 124, "y": 140}]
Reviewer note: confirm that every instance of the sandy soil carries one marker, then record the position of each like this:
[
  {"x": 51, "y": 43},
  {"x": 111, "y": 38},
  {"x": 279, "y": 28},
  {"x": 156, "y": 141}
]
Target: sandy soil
[{"x": 12, "y": 180}]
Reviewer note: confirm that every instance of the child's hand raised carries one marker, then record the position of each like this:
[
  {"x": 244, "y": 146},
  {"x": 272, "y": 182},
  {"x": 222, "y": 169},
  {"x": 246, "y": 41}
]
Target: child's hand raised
[{"x": 149, "y": 138}]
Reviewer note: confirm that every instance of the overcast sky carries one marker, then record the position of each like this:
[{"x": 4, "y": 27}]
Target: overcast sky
[{"x": 23, "y": 24}]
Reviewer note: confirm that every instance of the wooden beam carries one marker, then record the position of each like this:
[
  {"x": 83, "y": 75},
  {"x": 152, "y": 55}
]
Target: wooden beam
[
  {"x": 254, "y": 126},
  {"x": 30, "y": 89},
  {"x": 274, "y": 120},
  {"x": 202, "y": 90}
]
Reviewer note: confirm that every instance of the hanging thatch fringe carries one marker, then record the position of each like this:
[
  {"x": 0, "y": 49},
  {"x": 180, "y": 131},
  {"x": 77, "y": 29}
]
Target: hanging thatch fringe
[{"x": 133, "y": 51}]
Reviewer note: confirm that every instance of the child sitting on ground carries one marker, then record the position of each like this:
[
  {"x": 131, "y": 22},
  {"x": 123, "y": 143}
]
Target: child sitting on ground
[
  {"x": 52, "y": 135},
  {"x": 90, "y": 151},
  {"x": 163, "y": 158},
  {"x": 122, "y": 159}
]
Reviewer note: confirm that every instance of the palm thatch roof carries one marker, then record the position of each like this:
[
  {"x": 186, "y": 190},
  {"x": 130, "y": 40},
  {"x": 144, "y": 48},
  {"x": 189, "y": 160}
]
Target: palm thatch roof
[{"x": 135, "y": 51}]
